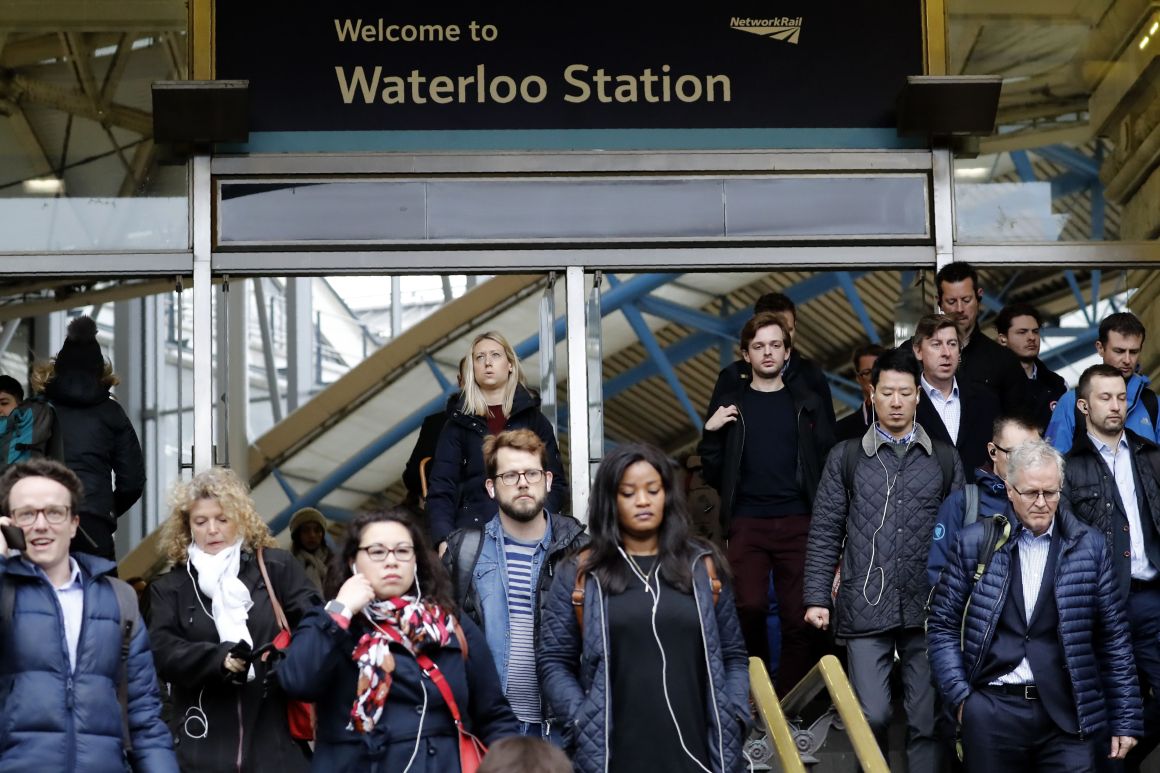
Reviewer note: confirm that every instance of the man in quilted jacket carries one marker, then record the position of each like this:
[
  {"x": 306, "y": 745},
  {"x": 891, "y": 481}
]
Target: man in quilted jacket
[
  {"x": 878, "y": 524},
  {"x": 1034, "y": 657}
]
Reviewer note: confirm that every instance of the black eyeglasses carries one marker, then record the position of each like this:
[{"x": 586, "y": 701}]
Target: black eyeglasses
[
  {"x": 378, "y": 553},
  {"x": 512, "y": 478},
  {"x": 1000, "y": 448}
]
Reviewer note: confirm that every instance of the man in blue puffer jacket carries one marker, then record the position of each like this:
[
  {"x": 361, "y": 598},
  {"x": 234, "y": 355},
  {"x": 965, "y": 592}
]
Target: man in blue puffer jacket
[
  {"x": 1035, "y": 657},
  {"x": 60, "y": 652}
]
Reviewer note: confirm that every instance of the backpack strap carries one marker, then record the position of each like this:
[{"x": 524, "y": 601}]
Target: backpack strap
[
  {"x": 7, "y": 602},
  {"x": 970, "y": 503},
  {"x": 130, "y": 621},
  {"x": 1151, "y": 404},
  {"x": 578, "y": 588},
  {"x": 945, "y": 453},
  {"x": 850, "y": 452},
  {"x": 714, "y": 581}
]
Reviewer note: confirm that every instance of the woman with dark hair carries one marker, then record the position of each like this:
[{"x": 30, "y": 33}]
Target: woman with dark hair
[
  {"x": 378, "y": 659},
  {"x": 649, "y": 669}
]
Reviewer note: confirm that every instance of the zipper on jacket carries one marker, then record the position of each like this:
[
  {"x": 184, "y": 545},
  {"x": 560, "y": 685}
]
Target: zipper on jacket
[
  {"x": 709, "y": 670},
  {"x": 733, "y": 493},
  {"x": 989, "y": 630},
  {"x": 241, "y": 733}
]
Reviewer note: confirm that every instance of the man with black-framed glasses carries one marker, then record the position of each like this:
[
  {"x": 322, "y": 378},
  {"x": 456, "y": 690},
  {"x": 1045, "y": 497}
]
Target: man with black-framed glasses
[
  {"x": 1113, "y": 483},
  {"x": 989, "y": 495},
  {"x": 501, "y": 572}
]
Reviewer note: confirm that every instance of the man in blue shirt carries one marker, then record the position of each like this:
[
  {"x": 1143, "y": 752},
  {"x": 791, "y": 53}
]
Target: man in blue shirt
[{"x": 1120, "y": 340}]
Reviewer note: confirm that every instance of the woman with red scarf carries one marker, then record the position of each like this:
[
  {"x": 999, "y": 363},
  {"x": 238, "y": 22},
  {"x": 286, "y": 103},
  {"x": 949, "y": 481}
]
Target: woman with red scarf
[{"x": 386, "y": 659}]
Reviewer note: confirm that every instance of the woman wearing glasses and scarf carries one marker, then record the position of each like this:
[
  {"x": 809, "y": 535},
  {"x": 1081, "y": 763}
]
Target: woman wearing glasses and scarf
[
  {"x": 383, "y": 658},
  {"x": 209, "y": 614}
]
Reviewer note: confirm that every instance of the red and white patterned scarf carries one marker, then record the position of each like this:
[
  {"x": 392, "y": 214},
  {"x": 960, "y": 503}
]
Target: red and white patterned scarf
[{"x": 421, "y": 627}]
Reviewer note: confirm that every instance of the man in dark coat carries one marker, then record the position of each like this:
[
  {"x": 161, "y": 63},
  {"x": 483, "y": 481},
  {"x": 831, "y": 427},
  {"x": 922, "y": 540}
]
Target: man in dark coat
[
  {"x": 763, "y": 450},
  {"x": 956, "y": 411},
  {"x": 862, "y": 417},
  {"x": 1018, "y": 326},
  {"x": 100, "y": 444},
  {"x": 878, "y": 526},
  {"x": 983, "y": 361},
  {"x": 796, "y": 368},
  {"x": 1034, "y": 657},
  {"x": 61, "y": 662},
  {"x": 1112, "y": 484}
]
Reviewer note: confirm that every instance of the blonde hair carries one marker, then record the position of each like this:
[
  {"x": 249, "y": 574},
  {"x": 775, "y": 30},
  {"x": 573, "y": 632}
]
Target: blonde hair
[
  {"x": 232, "y": 495},
  {"x": 43, "y": 372},
  {"x": 473, "y": 399}
]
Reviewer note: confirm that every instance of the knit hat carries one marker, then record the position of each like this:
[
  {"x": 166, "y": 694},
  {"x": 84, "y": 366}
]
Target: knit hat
[
  {"x": 81, "y": 352},
  {"x": 307, "y": 515}
]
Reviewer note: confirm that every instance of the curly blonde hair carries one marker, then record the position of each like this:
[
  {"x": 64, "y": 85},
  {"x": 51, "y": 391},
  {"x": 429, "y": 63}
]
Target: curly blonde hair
[
  {"x": 227, "y": 489},
  {"x": 44, "y": 371}
]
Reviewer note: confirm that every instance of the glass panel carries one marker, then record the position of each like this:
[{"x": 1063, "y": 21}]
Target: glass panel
[
  {"x": 1039, "y": 195},
  {"x": 69, "y": 182},
  {"x": 552, "y": 210}
]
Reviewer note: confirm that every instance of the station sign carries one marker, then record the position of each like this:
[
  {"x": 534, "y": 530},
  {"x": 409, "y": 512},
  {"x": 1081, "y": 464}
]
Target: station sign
[{"x": 371, "y": 65}]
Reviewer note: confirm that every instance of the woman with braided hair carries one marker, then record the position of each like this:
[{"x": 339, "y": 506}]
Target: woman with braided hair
[{"x": 388, "y": 663}]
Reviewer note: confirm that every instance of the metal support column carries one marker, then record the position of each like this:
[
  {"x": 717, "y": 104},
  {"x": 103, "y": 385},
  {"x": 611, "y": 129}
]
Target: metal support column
[
  {"x": 943, "y": 190},
  {"x": 268, "y": 349},
  {"x": 10, "y": 328},
  {"x": 725, "y": 350},
  {"x": 155, "y": 374},
  {"x": 397, "y": 306},
  {"x": 299, "y": 340},
  {"x": 579, "y": 476},
  {"x": 202, "y": 222},
  {"x": 129, "y": 361},
  {"x": 47, "y": 334},
  {"x": 548, "y": 351},
  {"x": 238, "y": 383}
]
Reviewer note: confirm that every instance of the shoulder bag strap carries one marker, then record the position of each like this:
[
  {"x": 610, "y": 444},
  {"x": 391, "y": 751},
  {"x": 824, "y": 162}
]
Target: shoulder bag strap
[
  {"x": 578, "y": 588},
  {"x": 714, "y": 582},
  {"x": 436, "y": 676},
  {"x": 279, "y": 615}
]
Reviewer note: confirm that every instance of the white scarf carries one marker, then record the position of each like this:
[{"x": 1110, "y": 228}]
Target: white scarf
[{"x": 217, "y": 576}]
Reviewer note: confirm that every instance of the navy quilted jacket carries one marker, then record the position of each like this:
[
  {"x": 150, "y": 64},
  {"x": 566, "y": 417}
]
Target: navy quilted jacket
[
  {"x": 574, "y": 677},
  {"x": 1092, "y": 625},
  {"x": 57, "y": 717}
]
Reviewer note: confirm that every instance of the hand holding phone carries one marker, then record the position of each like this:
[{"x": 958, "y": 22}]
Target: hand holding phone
[{"x": 14, "y": 537}]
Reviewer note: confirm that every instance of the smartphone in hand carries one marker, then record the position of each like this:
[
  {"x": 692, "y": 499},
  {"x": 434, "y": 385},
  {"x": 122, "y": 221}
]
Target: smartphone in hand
[{"x": 14, "y": 536}]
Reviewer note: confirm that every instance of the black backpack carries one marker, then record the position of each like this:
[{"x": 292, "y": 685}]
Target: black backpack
[{"x": 944, "y": 453}]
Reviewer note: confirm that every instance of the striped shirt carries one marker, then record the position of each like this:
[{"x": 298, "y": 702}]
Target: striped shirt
[
  {"x": 523, "y": 688},
  {"x": 1032, "y": 565},
  {"x": 949, "y": 409}
]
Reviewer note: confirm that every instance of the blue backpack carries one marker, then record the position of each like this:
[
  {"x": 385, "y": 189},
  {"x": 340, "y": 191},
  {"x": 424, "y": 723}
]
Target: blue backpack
[{"x": 30, "y": 432}]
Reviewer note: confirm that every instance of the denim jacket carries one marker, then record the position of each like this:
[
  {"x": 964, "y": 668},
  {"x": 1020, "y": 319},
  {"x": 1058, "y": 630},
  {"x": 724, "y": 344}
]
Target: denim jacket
[{"x": 486, "y": 601}]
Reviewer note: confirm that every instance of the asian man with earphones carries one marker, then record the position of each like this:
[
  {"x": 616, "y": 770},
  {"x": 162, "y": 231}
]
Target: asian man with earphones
[
  {"x": 878, "y": 527},
  {"x": 641, "y": 653}
]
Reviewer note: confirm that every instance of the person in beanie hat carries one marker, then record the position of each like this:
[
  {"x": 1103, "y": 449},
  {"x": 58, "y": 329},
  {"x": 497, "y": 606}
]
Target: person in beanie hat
[
  {"x": 100, "y": 444},
  {"x": 308, "y": 538}
]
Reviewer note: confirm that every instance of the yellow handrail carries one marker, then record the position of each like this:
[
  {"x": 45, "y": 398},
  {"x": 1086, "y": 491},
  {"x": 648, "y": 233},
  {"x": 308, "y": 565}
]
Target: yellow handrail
[{"x": 769, "y": 708}]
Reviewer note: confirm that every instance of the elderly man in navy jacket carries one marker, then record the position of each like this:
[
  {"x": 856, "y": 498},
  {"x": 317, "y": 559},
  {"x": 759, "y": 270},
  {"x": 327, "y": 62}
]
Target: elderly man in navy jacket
[{"x": 1034, "y": 657}]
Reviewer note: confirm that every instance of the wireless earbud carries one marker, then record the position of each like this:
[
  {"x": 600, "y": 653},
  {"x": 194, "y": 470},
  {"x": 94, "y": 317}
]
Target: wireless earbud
[{"x": 353, "y": 569}]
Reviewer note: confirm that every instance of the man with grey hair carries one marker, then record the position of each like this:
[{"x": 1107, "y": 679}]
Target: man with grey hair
[{"x": 1028, "y": 637}]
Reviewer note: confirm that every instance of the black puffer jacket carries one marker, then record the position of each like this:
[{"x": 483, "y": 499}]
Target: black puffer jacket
[
  {"x": 887, "y": 538},
  {"x": 1090, "y": 488},
  {"x": 247, "y": 726},
  {"x": 456, "y": 497},
  {"x": 100, "y": 444},
  {"x": 721, "y": 450}
]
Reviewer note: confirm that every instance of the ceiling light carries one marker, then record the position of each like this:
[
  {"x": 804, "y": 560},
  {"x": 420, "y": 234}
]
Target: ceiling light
[
  {"x": 44, "y": 186},
  {"x": 1144, "y": 42},
  {"x": 1155, "y": 26}
]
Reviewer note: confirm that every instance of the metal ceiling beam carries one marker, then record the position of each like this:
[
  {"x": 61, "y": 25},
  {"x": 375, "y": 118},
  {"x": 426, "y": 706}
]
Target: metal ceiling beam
[
  {"x": 117, "y": 292},
  {"x": 23, "y": 90},
  {"x": 87, "y": 16},
  {"x": 852, "y": 295},
  {"x": 684, "y": 315},
  {"x": 1071, "y": 158}
]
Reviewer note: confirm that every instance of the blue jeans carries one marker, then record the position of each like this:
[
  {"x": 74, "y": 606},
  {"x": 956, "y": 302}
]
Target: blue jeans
[{"x": 542, "y": 730}]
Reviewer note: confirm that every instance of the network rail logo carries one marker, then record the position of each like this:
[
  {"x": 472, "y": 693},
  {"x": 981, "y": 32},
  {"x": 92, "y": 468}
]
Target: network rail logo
[{"x": 784, "y": 28}]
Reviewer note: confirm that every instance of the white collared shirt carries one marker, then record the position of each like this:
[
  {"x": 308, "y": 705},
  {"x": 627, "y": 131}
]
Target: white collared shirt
[
  {"x": 949, "y": 409},
  {"x": 1119, "y": 461},
  {"x": 1033, "y": 552},
  {"x": 71, "y": 596}
]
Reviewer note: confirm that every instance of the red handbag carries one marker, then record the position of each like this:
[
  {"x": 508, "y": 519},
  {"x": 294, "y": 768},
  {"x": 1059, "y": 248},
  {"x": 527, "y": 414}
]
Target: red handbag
[
  {"x": 471, "y": 749},
  {"x": 299, "y": 714}
]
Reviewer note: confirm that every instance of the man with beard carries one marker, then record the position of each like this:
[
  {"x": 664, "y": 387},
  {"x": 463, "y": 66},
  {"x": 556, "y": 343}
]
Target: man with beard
[
  {"x": 1018, "y": 326},
  {"x": 1120, "y": 340},
  {"x": 982, "y": 360},
  {"x": 1112, "y": 484},
  {"x": 500, "y": 573},
  {"x": 763, "y": 449}
]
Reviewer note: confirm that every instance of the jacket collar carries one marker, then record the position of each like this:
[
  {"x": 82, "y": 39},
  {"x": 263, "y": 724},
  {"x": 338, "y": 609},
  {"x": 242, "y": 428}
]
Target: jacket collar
[
  {"x": 1136, "y": 443},
  {"x": 91, "y": 567},
  {"x": 872, "y": 441},
  {"x": 1065, "y": 524}
]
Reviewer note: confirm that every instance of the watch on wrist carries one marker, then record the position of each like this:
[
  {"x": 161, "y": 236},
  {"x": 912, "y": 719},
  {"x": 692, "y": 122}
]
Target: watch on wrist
[{"x": 336, "y": 607}]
